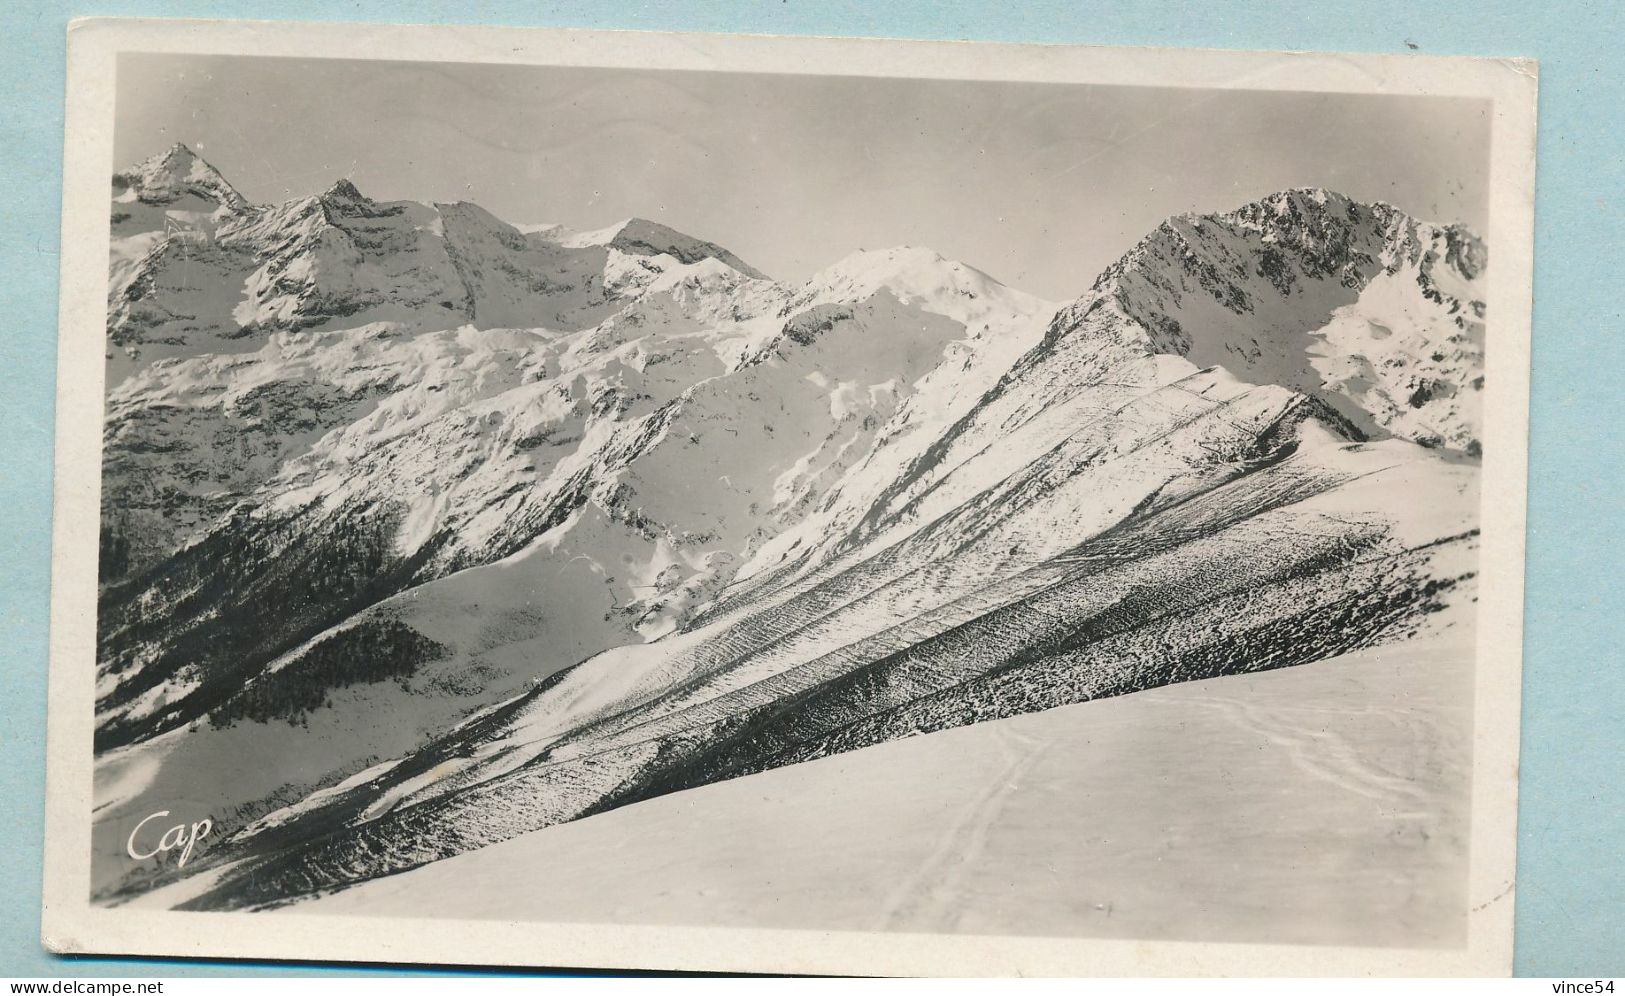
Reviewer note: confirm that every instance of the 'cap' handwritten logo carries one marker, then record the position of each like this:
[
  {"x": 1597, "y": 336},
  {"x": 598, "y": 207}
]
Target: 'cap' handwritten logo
[{"x": 176, "y": 837}]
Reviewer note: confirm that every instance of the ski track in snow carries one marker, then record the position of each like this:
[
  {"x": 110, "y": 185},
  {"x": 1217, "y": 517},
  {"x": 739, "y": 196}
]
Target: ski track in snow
[
  {"x": 1322, "y": 752},
  {"x": 932, "y": 898}
]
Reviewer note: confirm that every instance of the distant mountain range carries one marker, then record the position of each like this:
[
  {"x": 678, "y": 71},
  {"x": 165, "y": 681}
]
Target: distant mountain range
[{"x": 421, "y": 530}]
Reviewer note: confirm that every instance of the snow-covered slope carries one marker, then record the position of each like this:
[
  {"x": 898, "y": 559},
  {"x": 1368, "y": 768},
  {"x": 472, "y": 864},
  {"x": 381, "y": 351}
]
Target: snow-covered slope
[
  {"x": 1313, "y": 805},
  {"x": 535, "y": 524}
]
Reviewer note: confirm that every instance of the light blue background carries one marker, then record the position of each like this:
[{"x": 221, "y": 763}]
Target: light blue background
[{"x": 1571, "y": 867}]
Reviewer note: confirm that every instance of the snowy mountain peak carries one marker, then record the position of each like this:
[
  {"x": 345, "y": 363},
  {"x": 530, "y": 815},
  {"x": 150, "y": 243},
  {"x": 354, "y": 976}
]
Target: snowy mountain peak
[
  {"x": 892, "y": 258},
  {"x": 342, "y": 190},
  {"x": 1305, "y": 198},
  {"x": 579, "y": 240},
  {"x": 642, "y": 237},
  {"x": 1305, "y": 288},
  {"x": 176, "y": 161},
  {"x": 1292, "y": 239},
  {"x": 171, "y": 176},
  {"x": 921, "y": 277},
  {"x": 900, "y": 267}
]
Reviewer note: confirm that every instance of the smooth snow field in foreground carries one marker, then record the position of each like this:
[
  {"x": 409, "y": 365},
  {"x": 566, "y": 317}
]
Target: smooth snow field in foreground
[{"x": 1326, "y": 803}]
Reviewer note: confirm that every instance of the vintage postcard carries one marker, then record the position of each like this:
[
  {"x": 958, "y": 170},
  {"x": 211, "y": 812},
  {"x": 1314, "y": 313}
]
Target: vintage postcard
[{"x": 575, "y": 498}]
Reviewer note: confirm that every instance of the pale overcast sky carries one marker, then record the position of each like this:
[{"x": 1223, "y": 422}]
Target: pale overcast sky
[{"x": 1041, "y": 185}]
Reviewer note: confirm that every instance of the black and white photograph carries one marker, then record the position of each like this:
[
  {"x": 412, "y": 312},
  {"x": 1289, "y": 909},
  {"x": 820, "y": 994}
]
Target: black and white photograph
[{"x": 1069, "y": 501}]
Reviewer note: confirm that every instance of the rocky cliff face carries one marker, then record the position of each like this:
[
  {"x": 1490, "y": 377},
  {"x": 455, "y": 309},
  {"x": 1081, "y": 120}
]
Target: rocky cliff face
[{"x": 522, "y": 525}]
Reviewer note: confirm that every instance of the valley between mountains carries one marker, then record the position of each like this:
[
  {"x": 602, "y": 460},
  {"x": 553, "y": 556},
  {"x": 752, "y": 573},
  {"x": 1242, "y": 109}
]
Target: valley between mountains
[{"x": 423, "y": 532}]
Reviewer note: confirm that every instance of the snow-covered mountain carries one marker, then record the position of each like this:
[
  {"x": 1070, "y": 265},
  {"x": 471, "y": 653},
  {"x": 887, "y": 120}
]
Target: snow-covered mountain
[
  {"x": 176, "y": 186},
  {"x": 1374, "y": 312},
  {"x": 459, "y": 530}
]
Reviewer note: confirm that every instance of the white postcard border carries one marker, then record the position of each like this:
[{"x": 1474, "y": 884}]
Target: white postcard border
[{"x": 72, "y": 925}]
